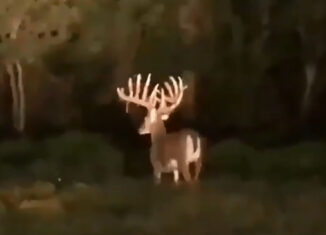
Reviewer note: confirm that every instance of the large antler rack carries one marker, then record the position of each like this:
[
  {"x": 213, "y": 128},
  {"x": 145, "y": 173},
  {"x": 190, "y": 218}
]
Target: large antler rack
[
  {"x": 174, "y": 96},
  {"x": 145, "y": 100}
]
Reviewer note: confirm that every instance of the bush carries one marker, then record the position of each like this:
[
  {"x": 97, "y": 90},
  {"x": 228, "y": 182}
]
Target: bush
[
  {"x": 230, "y": 156},
  {"x": 15, "y": 156},
  {"x": 72, "y": 156},
  {"x": 82, "y": 157},
  {"x": 17, "y": 152},
  {"x": 216, "y": 207},
  {"x": 306, "y": 159}
]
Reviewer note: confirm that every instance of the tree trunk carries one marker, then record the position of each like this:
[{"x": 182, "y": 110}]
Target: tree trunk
[{"x": 14, "y": 71}]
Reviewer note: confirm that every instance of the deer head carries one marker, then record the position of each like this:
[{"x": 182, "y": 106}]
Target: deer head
[{"x": 159, "y": 105}]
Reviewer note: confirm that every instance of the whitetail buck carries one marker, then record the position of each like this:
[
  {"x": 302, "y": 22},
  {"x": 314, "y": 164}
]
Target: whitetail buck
[{"x": 172, "y": 152}]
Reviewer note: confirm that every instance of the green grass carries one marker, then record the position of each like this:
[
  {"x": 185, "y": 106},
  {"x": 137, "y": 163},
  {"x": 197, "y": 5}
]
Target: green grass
[
  {"x": 243, "y": 190},
  {"x": 222, "y": 206},
  {"x": 73, "y": 156}
]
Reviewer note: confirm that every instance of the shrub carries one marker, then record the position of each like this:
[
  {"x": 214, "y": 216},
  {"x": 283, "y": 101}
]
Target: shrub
[
  {"x": 83, "y": 157},
  {"x": 306, "y": 159}
]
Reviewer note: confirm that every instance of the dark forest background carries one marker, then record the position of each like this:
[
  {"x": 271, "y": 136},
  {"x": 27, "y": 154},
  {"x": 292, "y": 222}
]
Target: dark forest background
[
  {"x": 255, "y": 69},
  {"x": 257, "y": 94}
]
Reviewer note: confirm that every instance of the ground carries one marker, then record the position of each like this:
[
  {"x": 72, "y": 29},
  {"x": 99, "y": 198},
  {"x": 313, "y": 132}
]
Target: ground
[{"x": 242, "y": 191}]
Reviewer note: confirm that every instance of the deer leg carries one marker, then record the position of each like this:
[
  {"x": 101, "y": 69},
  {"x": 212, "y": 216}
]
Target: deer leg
[
  {"x": 157, "y": 177},
  {"x": 186, "y": 172},
  {"x": 198, "y": 165},
  {"x": 176, "y": 176}
]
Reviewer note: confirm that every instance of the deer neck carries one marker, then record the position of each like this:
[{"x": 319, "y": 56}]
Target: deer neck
[{"x": 158, "y": 130}]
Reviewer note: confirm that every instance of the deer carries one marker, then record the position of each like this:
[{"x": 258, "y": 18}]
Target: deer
[{"x": 169, "y": 152}]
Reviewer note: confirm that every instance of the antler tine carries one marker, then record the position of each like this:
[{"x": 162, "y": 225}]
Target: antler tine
[
  {"x": 148, "y": 80},
  {"x": 182, "y": 88},
  {"x": 178, "y": 88},
  {"x": 174, "y": 97},
  {"x": 131, "y": 92},
  {"x": 175, "y": 85},
  {"x": 138, "y": 86},
  {"x": 133, "y": 97},
  {"x": 153, "y": 97},
  {"x": 163, "y": 103},
  {"x": 168, "y": 87},
  {"x": 181, "y": 84}
]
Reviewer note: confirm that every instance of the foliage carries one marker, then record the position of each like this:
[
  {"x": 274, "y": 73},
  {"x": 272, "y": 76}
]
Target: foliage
[
  {"x": 33, "y": 27},
  {"x": 245, "y": 56},
  {"x": 300, "y": 161},
  {"x": 219, "y": 206},
  {"x": 72, "y": 157},
  {"x": 81, "y": 158},
  {"x": 248, "y": 59}
]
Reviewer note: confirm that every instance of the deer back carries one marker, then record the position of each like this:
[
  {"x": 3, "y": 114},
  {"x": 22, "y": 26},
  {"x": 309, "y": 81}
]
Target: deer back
[{"x": 174, "y": 146}]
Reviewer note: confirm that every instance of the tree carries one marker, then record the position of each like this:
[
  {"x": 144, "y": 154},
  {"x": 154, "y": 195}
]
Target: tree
[
  {"x": 29, "y": 29},
  {"x": 311, "y": 17}
]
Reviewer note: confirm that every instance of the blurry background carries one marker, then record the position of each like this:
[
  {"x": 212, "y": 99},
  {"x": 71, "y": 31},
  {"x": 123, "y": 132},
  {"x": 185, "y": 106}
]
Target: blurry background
[
  {"x": 257, "y": 94},
  {"x": 255, "y": 71}
]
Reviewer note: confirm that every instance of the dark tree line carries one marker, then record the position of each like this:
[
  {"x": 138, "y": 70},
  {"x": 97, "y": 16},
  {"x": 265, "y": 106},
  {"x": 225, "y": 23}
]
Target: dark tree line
[{"x": 256, "y": 68}]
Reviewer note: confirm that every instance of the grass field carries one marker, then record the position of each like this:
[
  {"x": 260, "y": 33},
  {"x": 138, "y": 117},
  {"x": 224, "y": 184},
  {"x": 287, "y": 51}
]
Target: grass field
[
  {"x": 224, "y": 206},
  {"x": 242, "y": 191}
]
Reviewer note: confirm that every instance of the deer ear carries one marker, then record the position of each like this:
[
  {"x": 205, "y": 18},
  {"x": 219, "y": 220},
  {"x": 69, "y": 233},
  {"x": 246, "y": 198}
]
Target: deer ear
[{"x": 165, "y": 117}]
